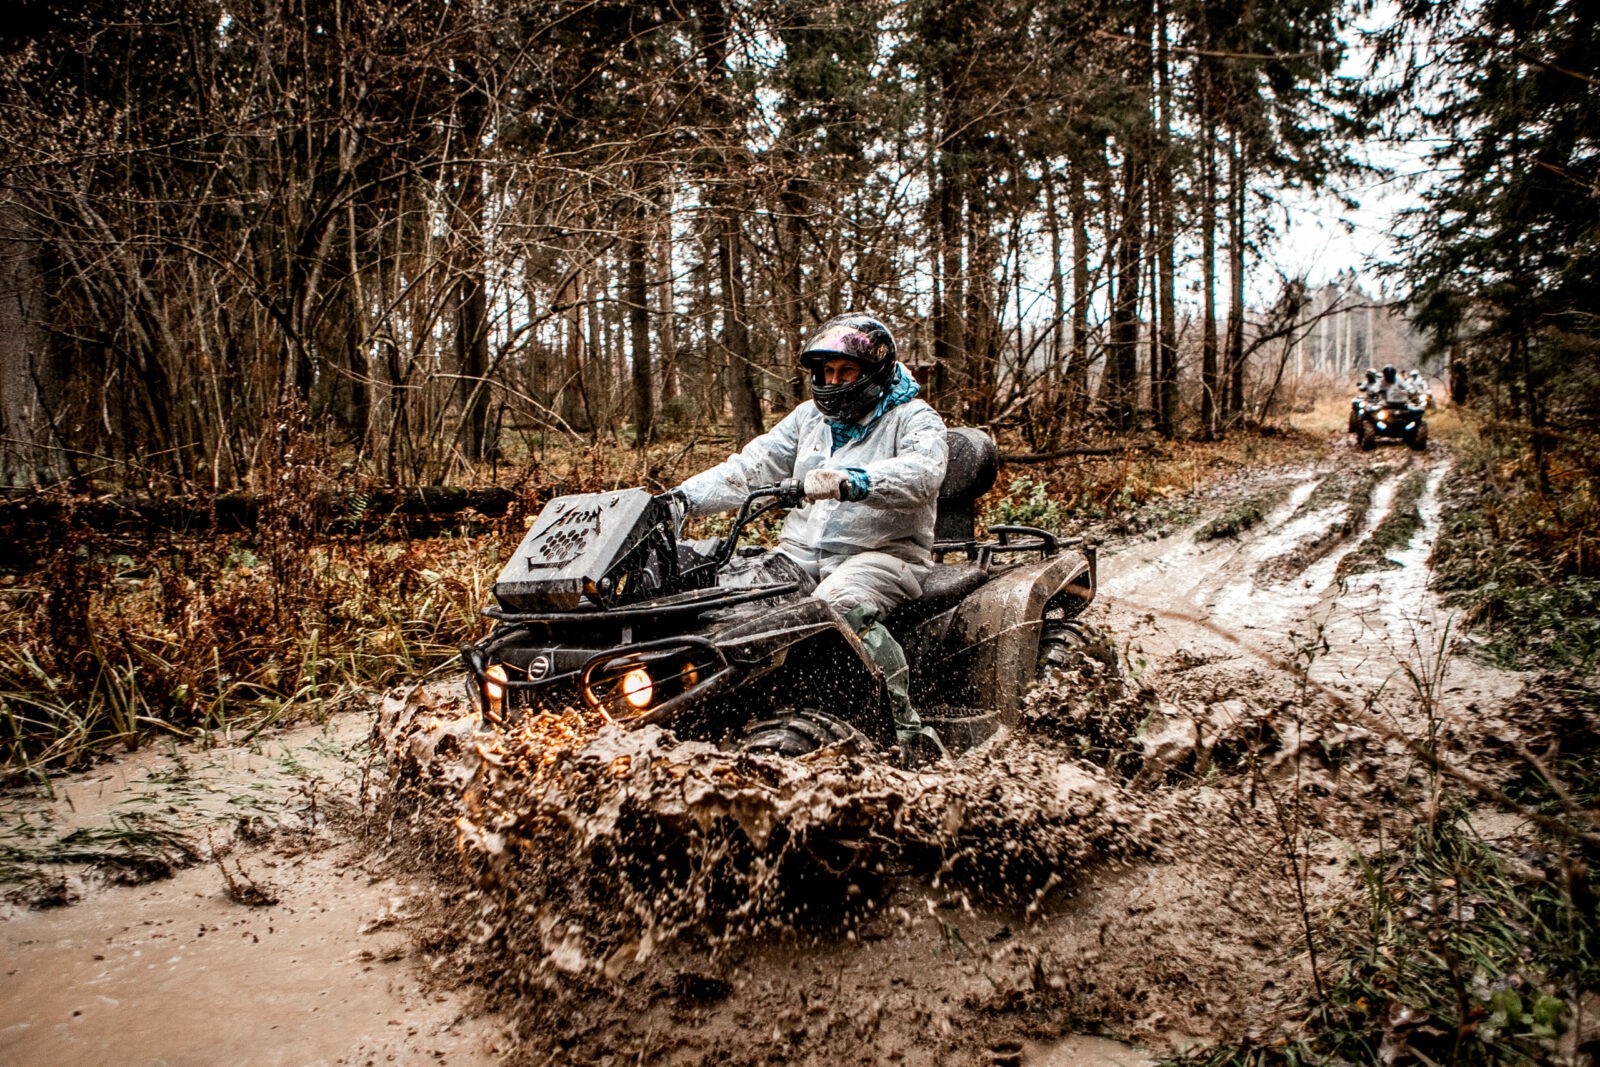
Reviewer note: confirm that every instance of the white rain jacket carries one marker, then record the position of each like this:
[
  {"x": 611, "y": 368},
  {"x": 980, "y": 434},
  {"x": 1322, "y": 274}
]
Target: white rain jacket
[{"x": 904, "y": 457}]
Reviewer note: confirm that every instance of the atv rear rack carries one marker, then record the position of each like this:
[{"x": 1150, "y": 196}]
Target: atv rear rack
[{"x": 983, "y": 553}]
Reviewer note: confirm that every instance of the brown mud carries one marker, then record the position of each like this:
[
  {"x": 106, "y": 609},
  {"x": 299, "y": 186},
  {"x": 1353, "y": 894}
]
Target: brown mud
[
  {"x": 301, "y": 953},
  {"x": 1130, "y": 873}
]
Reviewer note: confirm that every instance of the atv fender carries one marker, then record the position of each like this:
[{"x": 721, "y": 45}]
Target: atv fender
[
  {"x": 801, "y": 653},
  {"x": 996, "y": 630}
]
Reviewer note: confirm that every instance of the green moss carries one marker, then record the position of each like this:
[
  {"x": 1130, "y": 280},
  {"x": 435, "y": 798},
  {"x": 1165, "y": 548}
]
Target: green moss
[
  {"x": 1242, "y": 516},
  {"x": 1392, "y": 533}
]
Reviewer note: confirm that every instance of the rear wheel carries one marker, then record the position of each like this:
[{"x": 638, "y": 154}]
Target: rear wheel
[
  {"x": 799, "y": 731},
  {"x": 1070, "y": 646}
]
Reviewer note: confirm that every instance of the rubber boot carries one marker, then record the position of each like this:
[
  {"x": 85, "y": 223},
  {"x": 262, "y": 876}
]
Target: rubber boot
[{"x": 918, "y": 743}]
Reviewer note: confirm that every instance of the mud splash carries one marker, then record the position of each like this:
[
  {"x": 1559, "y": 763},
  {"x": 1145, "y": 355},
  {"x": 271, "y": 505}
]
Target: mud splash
[{"x": 590, "y": 849}]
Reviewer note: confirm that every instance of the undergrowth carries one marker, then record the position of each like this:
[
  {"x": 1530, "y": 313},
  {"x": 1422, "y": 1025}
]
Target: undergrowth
[
  {"x": 1456, "y": 954},
  {"x": 1524, "y": 562},
  {"x": 115, "y": 638}
]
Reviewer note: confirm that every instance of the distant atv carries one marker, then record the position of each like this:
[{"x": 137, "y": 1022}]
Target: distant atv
[
  {"x": 604, "y": 606},
  {"x": 1373, "y": 420}
]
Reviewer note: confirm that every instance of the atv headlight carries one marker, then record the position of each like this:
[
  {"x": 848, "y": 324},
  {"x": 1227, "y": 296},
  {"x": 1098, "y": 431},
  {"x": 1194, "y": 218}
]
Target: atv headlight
[
  {"x": 494, "y": 689},
  {"x": 628, "y": 684},
  {"x": 495, "y": 686},
  {"x": 637, "y": 689}
]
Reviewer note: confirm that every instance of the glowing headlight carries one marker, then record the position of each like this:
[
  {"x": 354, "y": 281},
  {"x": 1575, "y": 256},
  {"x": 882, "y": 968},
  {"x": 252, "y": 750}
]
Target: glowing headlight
[
  {"x": 637, "y": 688},
  {"x": 494, "y": 689}
]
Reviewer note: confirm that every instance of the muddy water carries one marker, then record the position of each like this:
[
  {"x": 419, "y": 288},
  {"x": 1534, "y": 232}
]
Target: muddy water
[
  {"x": 176, "y": 972},
  {"x": 1367, "y": 623}
]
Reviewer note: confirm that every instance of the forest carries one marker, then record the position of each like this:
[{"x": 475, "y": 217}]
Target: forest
[{"x": 441, "y": 233}]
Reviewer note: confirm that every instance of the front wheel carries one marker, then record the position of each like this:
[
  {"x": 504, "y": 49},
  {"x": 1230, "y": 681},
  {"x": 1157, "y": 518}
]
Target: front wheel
[
  {"x": 799, "y": 732},
  {"x": 1419, "y": 438},
  {"x": 1367, "y": 436}
]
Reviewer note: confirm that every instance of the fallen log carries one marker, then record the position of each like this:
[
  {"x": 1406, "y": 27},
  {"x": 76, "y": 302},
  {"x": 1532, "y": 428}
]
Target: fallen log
[
  {"x": 1064, "y": 453},
  {"x": 405, "y": 512}
]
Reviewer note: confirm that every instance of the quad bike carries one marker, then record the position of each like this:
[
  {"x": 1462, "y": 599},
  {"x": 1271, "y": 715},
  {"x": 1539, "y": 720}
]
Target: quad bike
[
  {"x": 604, "y": 606},
  {"x": 1378, "y": 419}
]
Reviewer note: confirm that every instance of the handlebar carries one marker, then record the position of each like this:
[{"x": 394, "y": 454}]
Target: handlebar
[{"x": 785, "y": 494}]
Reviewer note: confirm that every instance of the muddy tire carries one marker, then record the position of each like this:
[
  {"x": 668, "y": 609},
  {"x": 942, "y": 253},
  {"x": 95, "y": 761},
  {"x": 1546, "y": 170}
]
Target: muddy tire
[
  {"x": 1070, "y": 646},
  {"x": 1367, "y": 436},
  {"x": 1418, "y": 438},
  {"x": 799, "y": 731}
]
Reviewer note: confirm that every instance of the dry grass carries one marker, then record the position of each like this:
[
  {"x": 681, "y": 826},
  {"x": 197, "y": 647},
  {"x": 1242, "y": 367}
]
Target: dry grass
[{"x": 1523, "y": 560}]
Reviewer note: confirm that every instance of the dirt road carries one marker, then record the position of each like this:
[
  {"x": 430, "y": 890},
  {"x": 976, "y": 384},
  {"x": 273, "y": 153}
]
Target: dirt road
[{"x": 1249, "y": 784}]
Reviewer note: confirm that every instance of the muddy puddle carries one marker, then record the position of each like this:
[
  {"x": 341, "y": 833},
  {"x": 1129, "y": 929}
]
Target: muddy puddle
[{"x": 317, "y": 965}]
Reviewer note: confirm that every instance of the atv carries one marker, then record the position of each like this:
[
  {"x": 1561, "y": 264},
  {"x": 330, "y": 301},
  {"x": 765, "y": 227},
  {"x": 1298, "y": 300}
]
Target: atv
[
  {"x": 604, "y": 606},
  {"x": 1378, "y": 419}
]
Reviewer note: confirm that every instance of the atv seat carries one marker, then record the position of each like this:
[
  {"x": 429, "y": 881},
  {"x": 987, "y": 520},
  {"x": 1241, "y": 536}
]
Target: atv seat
[
  {"x": 970, "y": 473},
  {"x": 945, "y": 586}
]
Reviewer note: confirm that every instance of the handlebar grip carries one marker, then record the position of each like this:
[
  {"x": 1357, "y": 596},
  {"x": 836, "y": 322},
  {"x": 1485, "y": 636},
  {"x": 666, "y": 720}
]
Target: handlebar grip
[{"x": 791, "y": 492}]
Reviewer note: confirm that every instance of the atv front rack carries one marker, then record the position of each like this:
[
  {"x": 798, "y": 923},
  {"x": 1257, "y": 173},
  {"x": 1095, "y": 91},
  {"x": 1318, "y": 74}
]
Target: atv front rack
[{"x": 675, "y": 607}]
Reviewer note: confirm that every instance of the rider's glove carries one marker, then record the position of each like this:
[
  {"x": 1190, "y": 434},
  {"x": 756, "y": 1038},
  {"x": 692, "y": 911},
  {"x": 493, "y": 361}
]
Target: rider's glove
[
  {"x": 824, "y": 484},
  {"x": 851, "y": 483}
]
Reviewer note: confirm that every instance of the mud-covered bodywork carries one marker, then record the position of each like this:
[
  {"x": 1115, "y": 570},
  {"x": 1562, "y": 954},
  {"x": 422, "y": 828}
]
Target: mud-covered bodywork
[{"x": 603, "y": 606}]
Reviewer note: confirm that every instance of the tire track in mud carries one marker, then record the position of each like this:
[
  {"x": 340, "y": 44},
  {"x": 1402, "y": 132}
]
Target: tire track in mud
[{"x": 1357, "y": 631}]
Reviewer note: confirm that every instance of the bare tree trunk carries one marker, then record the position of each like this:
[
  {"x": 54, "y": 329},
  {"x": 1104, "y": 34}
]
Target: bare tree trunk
[
  {"x": 1236, "y": 205},
  {"x": 1057, "y": 377},
  {"x": 982, "y": 328},
  {"x": 1123, "y": 367},
  {"x": 1165, "y": 375},
  {"x": 666, "y": 323},
  {"x": 639, "y": 321},
  {"x": 791, "y": 281},
  {"x": 1078, "y": 364},
  {"x": 950, "y": 335},
  {"x": 29, "y": 384},
  {"x": 743, "y": 396},
  {"x": 1209, "y": 378}
]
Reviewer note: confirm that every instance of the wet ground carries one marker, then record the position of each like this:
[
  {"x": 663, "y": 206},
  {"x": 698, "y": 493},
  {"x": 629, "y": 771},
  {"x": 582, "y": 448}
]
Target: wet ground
[
  {"x": 301, "y": 953},
  {"x": 1134, "y": 883}
]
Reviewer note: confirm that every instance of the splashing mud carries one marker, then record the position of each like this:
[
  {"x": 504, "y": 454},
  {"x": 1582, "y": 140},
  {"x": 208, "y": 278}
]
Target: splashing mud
[{"x": 592, "y": 846}]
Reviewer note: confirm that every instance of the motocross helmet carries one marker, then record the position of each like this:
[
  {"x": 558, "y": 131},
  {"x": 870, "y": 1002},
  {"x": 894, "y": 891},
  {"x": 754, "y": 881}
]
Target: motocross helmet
[
  {"x": 1389, "y": 373},
  {"x": 1372, "y": 376},
  {"x": 863, "y": 340}
]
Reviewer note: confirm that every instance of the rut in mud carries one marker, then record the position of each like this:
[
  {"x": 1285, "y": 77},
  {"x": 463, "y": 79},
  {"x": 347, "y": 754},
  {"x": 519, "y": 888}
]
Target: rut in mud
[{"x": 1140, "y": 860}]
